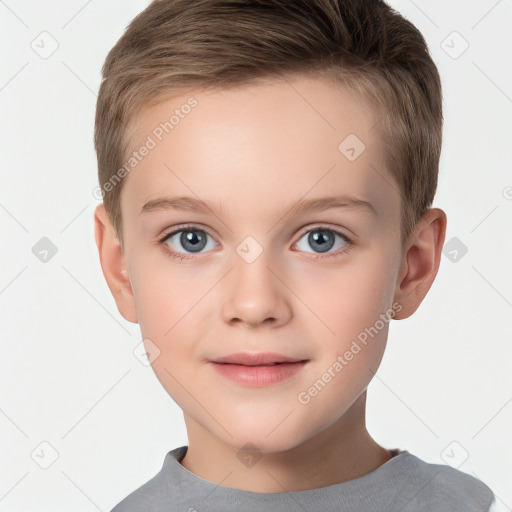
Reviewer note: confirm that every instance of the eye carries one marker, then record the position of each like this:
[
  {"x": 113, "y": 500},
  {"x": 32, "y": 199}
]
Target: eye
[
  {"x": 322, "y": 240},
  {"x": 183, "y": 243}
]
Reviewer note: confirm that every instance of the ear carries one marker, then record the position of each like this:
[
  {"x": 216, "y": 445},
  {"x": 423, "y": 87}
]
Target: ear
[
  {"x": 113, "y": 264},
  {"x": 420, "y": 263}
]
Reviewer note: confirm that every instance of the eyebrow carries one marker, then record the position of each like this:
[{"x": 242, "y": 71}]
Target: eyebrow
[{"x": 190, "y": 204}]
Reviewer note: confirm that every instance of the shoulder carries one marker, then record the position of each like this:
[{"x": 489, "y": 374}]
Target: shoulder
[
  {"x": 153, "y": 496},
  {"x": 433, "y": 487},
  {"x": 148, "y": 497}
]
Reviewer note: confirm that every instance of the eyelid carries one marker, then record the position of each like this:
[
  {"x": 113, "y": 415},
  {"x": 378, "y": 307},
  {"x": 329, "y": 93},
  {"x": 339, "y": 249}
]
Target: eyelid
[
  {"x": 326, "y": 226},
  {"x": 184, "y": 227},
  {"x": 302, "y": 231},
  {"x": 349, "y": 241}
]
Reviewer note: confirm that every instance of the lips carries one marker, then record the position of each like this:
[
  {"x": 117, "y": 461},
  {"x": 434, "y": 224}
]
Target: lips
[
  {"x": 256, "y": 359},
  {"x": 257, "y": 370}
]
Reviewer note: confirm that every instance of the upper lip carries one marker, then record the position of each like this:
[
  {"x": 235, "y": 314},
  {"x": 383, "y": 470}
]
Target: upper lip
[{"x": 247, "y": 359}]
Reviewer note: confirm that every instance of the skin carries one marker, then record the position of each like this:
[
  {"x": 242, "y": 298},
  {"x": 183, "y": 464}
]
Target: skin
[{"x": 253, "y": 151}]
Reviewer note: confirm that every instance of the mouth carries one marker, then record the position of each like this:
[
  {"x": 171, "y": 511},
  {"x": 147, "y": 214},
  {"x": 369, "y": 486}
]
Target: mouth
[
  {"x": 260, "y": 365},
  {"x": 257, "y": 359},
  {"x": 259, "y": 374}
]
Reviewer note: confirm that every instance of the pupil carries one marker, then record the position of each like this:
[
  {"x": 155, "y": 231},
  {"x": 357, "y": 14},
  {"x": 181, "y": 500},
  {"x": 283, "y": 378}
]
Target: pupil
[
  {"x": 193, "y": 240},
  {"x": 323, "y": 240}
]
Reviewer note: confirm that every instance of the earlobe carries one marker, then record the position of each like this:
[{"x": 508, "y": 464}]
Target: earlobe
[
  {"x": 113, "y": 264},
  {"x": 420, "y": 262}
]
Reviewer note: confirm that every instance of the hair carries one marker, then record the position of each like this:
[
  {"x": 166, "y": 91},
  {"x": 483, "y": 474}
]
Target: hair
[{"x": 174, "y": 46}]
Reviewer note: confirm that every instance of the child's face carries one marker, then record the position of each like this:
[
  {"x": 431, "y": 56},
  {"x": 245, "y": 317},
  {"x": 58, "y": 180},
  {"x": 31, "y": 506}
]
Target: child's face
[{"x": 251, "y": 153}]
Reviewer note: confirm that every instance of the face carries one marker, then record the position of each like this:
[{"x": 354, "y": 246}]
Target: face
[{"x": 294, "y": 251}]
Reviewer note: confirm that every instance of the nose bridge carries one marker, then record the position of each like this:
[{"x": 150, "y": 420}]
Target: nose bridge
[{"x": 253, "y": 292}]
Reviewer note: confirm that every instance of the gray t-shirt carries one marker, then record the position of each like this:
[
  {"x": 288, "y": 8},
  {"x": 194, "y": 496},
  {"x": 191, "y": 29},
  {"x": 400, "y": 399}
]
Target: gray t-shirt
[{"x": 404, "y": 483}]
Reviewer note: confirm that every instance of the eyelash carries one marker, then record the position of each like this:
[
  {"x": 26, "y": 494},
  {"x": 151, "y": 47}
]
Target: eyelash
[{"x": 190, "y": 227}]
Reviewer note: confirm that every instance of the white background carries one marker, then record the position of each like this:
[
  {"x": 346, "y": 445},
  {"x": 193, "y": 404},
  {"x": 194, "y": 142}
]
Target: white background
[{"x": 68, "y": 376}]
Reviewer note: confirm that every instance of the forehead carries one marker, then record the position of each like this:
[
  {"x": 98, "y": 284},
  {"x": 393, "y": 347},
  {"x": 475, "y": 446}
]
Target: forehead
[{"x": 259, "y": 147}]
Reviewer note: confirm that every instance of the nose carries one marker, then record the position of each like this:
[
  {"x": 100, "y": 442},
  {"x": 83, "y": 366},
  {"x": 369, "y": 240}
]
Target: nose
[{"x": 254, "y": 293}]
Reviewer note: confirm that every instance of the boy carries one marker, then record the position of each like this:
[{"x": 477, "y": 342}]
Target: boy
[{"x": 267, "y": 170}]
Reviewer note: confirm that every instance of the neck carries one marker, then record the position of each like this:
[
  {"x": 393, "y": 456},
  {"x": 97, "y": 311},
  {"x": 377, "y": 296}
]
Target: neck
[{"x": 343, "y": 451}]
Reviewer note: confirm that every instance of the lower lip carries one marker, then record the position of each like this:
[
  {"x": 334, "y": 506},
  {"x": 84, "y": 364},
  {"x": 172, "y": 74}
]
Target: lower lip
[{"x": 258, "y": 376}]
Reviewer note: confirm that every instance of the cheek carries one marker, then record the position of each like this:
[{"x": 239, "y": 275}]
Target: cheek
[
  {"x": 349, "y": 297},
  {"x": 168, "y": 305},
  {"x": 353, "y": 305},
  {"x": 163, "y": 297},
  {"x": 174, "y": 305}
]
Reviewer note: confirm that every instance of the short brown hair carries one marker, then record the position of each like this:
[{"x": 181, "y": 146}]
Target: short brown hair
[{"x": 178, "y": 45}]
